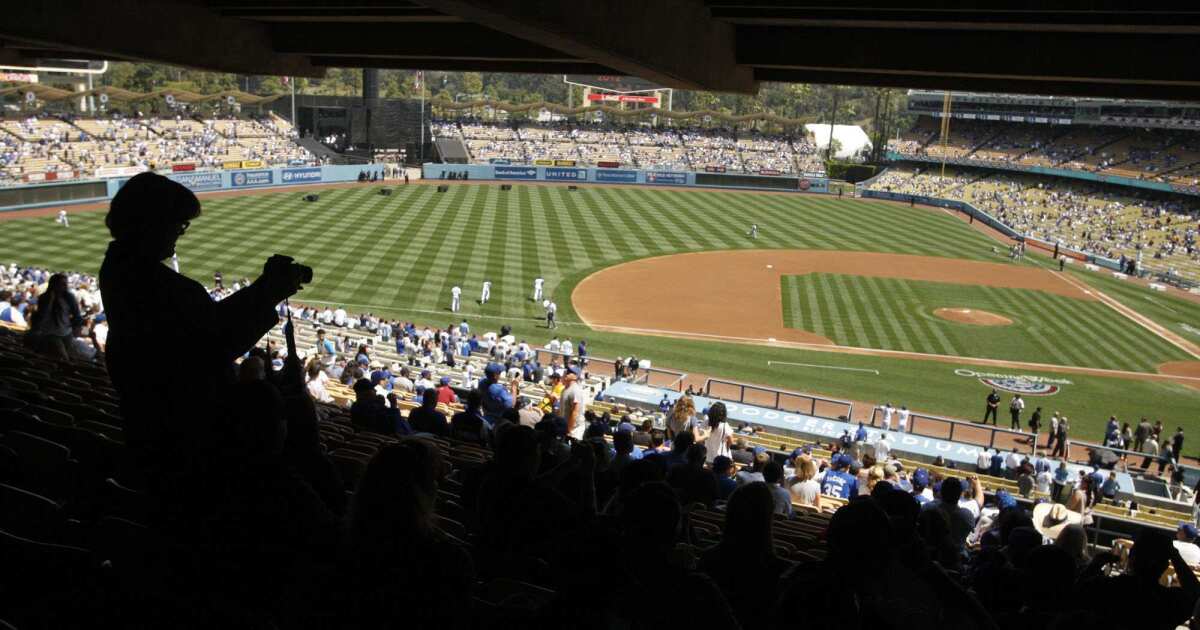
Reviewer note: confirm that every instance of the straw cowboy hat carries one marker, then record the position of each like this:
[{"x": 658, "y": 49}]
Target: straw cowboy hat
[{"x": 1051, "y": 518}]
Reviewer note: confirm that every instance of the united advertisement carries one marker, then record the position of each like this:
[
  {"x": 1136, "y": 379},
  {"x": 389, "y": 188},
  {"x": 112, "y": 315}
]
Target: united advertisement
[{"x": 566, "y": 174}]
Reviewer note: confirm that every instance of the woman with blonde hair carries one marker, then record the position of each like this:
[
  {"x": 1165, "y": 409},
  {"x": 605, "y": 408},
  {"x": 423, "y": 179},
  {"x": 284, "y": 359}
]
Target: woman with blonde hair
[
  {"x": 874, "y": 476},
  {"x": 681, "y": 414},
  {"x": 803, "y": 486}
]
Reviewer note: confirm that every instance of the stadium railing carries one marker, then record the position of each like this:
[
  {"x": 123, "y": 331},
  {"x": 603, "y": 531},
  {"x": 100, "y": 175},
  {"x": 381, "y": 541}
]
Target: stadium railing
[
  {"x": 780, "y": 399},
  {"x": 601, "y": 366}
]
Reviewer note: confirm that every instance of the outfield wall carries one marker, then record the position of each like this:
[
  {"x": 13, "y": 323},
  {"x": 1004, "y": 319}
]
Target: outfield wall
[
  {"x": 96, "y": 191},
  {"x": 986, "y": 219},
  {"x": 593, "y": 175}
]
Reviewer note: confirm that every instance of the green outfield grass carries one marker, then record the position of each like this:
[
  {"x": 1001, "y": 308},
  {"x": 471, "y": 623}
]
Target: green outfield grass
[
  {"x": 897, "y": 314},
  {"x": 400, "y": 255}
]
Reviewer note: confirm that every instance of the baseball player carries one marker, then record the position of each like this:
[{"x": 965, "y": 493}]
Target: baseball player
[
  {"x": 62, "y": 218},
  {"x": 175, "y": 262},
  {"x": 888, "y": 412},
  {"x": 537, "y": 288},
  {"x": 551, "y": 309},
  {"x": 754, "y": 230},
  {"x": 902, "y": 417},
  {"x": 487, "y": 292},
  {"x": 455, "y": 296}
]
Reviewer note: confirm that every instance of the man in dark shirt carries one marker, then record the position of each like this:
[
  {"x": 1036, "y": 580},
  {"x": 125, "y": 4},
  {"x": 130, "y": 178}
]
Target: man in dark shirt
[
  {"x": 426, "y": 418},
  {"x": 722, "y": 468},
  {"x": 168, "y": 413},
  {"x": 993, "y": 403},
  {"x": 1177, "y": 443},
  {"x": 468, "y": 424},
  {"x": 370, "y": 412}
]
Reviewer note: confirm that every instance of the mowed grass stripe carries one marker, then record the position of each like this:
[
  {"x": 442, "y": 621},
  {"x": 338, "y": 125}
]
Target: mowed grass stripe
[
  {"x": 550, "y": 225},
  {"x": 649, "y": 226},
  {"x": 458, "y": 250},
  {"x": 424, "y": 243},
  {"x": 699, "y": 235},
  {"x": 600, "y": 209},
  {"x": 928, "y": 331}
]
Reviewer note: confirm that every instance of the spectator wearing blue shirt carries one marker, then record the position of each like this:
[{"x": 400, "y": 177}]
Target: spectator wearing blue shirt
[
  {"x": 496, "y": 396},
  {"x": 582, "y": 353},
  {"x": 920, "y": 481},
  {"x": 1061, "y": 474},
  {"x": 664, "y": 405},
  {"x": 722, "y": 468},
  {"x": 839, "y": 483},
  {"x": 997, "y": 465},
  {"x": 861, "y": 434}
]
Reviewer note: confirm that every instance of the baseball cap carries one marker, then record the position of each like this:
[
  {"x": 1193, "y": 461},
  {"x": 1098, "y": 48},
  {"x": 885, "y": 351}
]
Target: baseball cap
[
  {"x": 1189, "y": 529},
  {"x": 445, "y": 380},
  {"x": 1004, "y": 500},
  {"x": 493, "y": 368},
  {"x": 921, "y": 477},
  {"x": 841, "y": 460},
  {"x": 759, "y": 449},
  {"x": 424, "y": 373}
]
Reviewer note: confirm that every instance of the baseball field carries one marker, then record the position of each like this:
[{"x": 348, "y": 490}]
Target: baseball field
[{"x": 856, "y": 299}]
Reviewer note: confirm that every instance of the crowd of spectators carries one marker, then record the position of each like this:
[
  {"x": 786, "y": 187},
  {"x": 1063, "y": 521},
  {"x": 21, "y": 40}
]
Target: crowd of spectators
[
  {"x": 77, "y": 147},
  {"x": 1171, "y": 156},
  {"x": 689, "y": 148},
  {"x": 1112, "y": 222}
]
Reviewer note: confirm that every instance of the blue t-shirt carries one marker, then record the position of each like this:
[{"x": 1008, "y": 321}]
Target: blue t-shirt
[
  {"x": 997, "y": 465},
  {"x": 839, "y": 484},
  {"x": 921, "y": 498},
  {"x": 860, "y": 435},
  {"x": 496, "y": 398}
]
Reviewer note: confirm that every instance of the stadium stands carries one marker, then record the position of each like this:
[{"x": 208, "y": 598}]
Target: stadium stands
[
  {"x": 641, "y": 146},
  {"x": 76, "y": 147}
]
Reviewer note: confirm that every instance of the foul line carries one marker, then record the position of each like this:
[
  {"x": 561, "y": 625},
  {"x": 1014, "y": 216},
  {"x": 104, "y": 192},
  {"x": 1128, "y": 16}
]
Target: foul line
[{"x": 823, "y": 367}]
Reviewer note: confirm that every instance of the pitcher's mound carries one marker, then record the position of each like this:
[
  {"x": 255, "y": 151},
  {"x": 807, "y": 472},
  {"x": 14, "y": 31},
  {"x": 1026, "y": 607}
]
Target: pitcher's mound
[{"x": 972, "y": 316}]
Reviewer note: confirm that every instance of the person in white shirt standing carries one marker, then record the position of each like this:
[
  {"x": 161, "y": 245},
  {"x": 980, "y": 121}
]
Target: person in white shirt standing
[
  {"x": 553, "y": 345},
  {"x": 572, "y": 404},
  {"x": 902, "y": 418},
  {"x": 537, "y": 288},
  {"x": 888, "y": 412},
  {"x": 486, "y": 294},
  {"x": 720, "y": 437},
  {"x": 62, "y": 219},
  {"x": 455, "y": 296},
  {"x": 882, "y": 450},
  {"x": 339, "y": 317},
  {"x": 551, "y": 310}
]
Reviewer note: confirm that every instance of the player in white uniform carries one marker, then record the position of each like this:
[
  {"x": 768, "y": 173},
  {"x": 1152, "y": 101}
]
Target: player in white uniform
[
  {"x": 455, "y": 294},
  {"x": 888, "y": 411},
  {"x": 62, "y": 218},
  {"x": 902, "y": 416},
  {"x": 537, "y": 288},
  {"x": 487, "y": 292},
  {"x": 551, "y": 309},
  {"x": 175, "y": 262},
  {"x": 754, "y": 230}
]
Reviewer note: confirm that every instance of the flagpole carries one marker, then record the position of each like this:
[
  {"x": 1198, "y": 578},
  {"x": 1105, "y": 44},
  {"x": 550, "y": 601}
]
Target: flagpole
[{"x": 295, "y": 124}]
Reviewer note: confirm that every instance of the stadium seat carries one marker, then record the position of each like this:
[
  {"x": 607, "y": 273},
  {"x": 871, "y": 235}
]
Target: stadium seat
[{"x": 31, "y": 515}]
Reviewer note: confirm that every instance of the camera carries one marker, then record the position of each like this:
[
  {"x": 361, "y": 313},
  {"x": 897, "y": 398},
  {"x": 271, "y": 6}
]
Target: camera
[{"x": 303, "y": 273}]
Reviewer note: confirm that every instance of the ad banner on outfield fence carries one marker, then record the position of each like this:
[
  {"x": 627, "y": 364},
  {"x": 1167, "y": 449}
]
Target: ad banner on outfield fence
[
  {"x": 209, "y": 180},
  {"x": 300, "y": 175},
  {"x": 119, "y": 171},
  {"x": 666, "y": 177},
  {"x": 628, "y": 177},
  {"x": 516, "y": 172},
  {"x": 543, "y": 162},
  {"x": 231, "y": 166},
  {"x": 183, "y": 168},
  {"x": 566, "y": 174},
  {"x": 252, "y": 178},
  {"x": 253, "y": 164}
]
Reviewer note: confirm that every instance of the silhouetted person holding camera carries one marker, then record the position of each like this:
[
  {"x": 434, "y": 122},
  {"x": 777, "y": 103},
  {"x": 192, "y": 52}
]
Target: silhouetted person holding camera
[{"x": 169, "y": 409}]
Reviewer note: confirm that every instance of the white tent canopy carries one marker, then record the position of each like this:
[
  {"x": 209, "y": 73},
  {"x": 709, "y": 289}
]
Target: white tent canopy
[{"x": 851, "y": 138}]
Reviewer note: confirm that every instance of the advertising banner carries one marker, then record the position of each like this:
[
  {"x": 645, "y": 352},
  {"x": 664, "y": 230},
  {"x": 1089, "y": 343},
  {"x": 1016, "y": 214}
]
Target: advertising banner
[
  {"x": 182, "y": 168},
  {"x": 300, "y": 175},
  {"x": 236, "y": 164},
  {"x": 252, "y": 178},
  {"x": 769, "y": 171},
  {"x": 35, "y": 177},
  {"x": 252, "y": 164},
  {"x": 571, "y": 174},
  {"x": 499, "y": 161},
  {"x": 665, "y": 177},
  {"x": 516, "y": 172},
  {"x": 622, "y": 98},
  {"x": 119, "y": 171},
  {"x": 208, "y": 180},
  {"x": 608, "y": 164},
  {"x": 543, "y": 162},
  {"x": 714, "y": 169},
  {"x": 564, "y": 162},
  {"x": 628, "y": 177}
]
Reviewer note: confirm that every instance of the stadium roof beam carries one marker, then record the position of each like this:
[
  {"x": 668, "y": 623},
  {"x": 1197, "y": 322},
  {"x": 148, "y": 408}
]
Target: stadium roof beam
[
  {"x": 181, "y": 34},
  {"x": 430, "y": 41},
  {"x": 1042, "y": 63},
  {"x": 675, "y": 43},
  {"x": 463, "y": 65}
]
